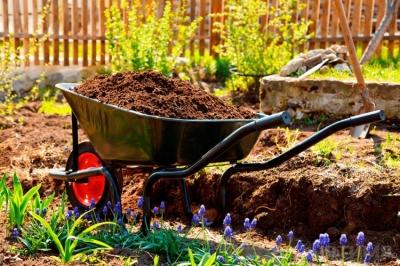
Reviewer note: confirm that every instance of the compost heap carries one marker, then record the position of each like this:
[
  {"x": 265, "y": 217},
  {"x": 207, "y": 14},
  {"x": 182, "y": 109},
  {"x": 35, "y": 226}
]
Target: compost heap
[{"x": 152, "y": 93}]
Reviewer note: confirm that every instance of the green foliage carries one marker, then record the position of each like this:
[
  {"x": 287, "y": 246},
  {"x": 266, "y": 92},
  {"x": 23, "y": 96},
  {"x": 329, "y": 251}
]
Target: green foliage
[
  {"x": 68, "y": 247},
  {"x": 18, "y": 202},
  {"x": 148, "y": 41},
  {"x": 327, "y": 151},
  {"x": 257, "y": 49},
  {"x": 390, "y": 149},
  {"x": 51, "y": 107},
  {"x": 10, "y": 60}
]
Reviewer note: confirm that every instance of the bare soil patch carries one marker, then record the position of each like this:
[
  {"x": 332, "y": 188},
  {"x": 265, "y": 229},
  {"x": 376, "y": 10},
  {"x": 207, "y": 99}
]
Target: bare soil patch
[{"x": 352, "y": 193}]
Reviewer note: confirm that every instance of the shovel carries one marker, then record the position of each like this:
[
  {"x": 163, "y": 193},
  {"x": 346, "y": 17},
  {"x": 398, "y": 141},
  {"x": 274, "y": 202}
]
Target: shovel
[{"x": 368, "y": 104}]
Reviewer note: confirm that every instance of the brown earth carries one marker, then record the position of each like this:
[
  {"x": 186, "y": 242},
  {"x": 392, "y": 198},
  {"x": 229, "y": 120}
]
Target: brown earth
[
  {"x": 354, "y": 192},
  {"x": 151, "y": 93}
]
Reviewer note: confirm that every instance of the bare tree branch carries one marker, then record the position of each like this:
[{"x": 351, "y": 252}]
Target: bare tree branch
[{"x": 391, "y": 7}]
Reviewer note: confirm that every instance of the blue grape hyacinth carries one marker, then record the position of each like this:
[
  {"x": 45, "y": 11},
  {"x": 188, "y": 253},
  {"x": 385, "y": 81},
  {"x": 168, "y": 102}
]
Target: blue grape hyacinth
[
  {"x": 370, "y": 247},
  {"x": 140, "y": 202},
  {"x": 220, "y": 259},
  {"x": 253, "y": 224},
  {"x": 162, "y": 207},
  {"x": 360, "y": 240},
  {"x": 202, "y": 211},
  {"x": 118, "y": 208},
  {"x": 155, "y": 211},
  {"x": 68, "y": 215},
  {"x": 196, "y": 219},
  {"x": 15, "y": 233},
  {"x": 343, "y": 240},
  {"x": 76, "y": 212},
  {"x": 179, "y": 229},
  {"x": 44, "y": 211},
  {"x": 227, "y": 219},
  {"x": 324, "y": 240},
  {"x": 309, "y": 256},
  {"x": 92, "y": 204},
  {"x": 278, "y": 240},
  {"x": 299, "y": 245},
  {"x": 246, "y": 224},
  {"x": 37, "y": 211},
  {"x": 105, "y": 211},
  {"x": 228, "y": 232},
  {"x": 316, "y": 245}
]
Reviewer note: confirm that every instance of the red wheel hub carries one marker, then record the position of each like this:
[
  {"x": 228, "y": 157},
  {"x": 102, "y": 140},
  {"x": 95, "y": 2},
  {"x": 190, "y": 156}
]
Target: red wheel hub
[{"x": 94, "y": 188}]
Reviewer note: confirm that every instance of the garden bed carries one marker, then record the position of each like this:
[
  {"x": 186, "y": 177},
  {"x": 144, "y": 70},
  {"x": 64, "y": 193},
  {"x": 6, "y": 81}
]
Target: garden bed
[{"x": 340, "y": 186}]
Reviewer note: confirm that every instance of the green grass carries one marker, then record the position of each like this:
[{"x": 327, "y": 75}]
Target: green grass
[
  {"x": 377, "y": 70},
  {"x": 50, "y": 107}
]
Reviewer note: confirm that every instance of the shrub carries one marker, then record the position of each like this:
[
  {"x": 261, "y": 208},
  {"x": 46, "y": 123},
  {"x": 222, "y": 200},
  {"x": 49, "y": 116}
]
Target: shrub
[
  {"x": 254, "y": 48},
  {"x": 148, "y": 41},
  {"x": 10, "y": 60}
]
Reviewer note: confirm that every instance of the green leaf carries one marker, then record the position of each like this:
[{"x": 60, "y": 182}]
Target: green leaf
[
  {"x": 191, "y": 257},
  {"x": 52, "y": 234},
  {"x": 211, "y": 260}
]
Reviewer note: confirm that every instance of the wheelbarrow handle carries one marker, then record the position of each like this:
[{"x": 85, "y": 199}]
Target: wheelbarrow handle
[{"x": 367, "y": 118}]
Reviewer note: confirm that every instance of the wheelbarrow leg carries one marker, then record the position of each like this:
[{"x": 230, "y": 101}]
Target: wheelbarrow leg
[
  {"x": 187, "y": 205},
  {"x": 148, "y": 188}
]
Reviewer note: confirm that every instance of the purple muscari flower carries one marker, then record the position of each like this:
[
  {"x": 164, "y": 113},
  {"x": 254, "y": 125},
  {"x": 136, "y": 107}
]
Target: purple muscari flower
[
  {"x": 316, "y": 245},
  {"x": 155, "y": 210},
  {"x": 343, "y": 240},
  {"x": 278, "y": 240},
  {"x": 105, "y": 211},
  {"x": 120, "y": 221},
  {"x": 228, "y": 232},
  {"x": 246, "y": 224},
  {"x": 324, "y": 240},
  {"x": 202, "y": 211},
  {"x": 196, "y": 219},
  {"x": 92, "y": 204},
  {"x": 44, "y": 211},
  {"x": 179, "y": 229},
  {"x": 76, "y": 212},
  {"x": 227, "y": 219},
  {"x": 253, "y": 224},
  {"x": 109, "y": 205},
  {"x": 309, "y": 256},
  {"x": 37, "y": 211},
  {"x": 298, "y": 245},
  {"x": 370, "y": 247},
  {"x": 15, "y": 233},
  {"x": 68, "y": 215},
  {"x": 302, "y": 248},
  {"x": 220, "y": 259},
  {"x": 360, "y": 239},
  {"x": 117, "y": 208},
  {"x": 162, "y": 207},
  {"x": 156, "y": 225},
  {"x": 87, "y": 216},
  {"x": 140, "y": 202},
  {"x": 367, "y": 258},
  {"x": 290, "y": 236},
  {"x": 129, "y": 212}
]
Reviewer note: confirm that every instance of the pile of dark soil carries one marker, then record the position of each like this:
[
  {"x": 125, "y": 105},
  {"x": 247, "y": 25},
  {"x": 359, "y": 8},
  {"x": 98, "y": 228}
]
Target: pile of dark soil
[{"x": 152, "y": 93}]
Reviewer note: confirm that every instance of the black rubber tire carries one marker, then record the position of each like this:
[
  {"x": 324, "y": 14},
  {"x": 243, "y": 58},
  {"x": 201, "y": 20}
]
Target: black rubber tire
[{"x": 107, "y": 195}]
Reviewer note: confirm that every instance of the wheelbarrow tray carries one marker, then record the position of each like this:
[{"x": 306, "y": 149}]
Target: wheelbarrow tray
[{"x": 131, "y": 137}]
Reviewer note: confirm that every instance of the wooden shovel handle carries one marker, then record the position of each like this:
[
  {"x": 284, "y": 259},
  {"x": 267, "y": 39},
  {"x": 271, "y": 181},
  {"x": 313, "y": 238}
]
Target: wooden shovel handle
[{"x": 348, "y": 39}]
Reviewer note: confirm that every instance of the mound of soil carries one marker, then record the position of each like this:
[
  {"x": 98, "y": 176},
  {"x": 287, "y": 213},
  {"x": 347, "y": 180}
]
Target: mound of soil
[{"x": 152, "y": 93}]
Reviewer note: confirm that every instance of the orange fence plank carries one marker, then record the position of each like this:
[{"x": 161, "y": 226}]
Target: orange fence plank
[
  {"x": 56, "y": 41},
  {"x": 202, "y": 26},
  {"x": 102, "y": 32},
  {"x": 355, "y": 22},
  {"x": 315, "y": 21},
  {"x": 65, "y": 16},
  {"x": 392, "y": 31},
  {"x": 25, "y": 28},
  {"x": 75, "y": 31},
  {"x": 381, "y": 13},
  {"x": 36, "y": 32},
  {"x": 369, "y": 13},
  {"x": 45, "y": 28},
  {"x": 93, "y": 29},
  {"x": 84, "y": 32},
  {"x": 325, "y": 20},
  {"x": 17, "y": 22}
]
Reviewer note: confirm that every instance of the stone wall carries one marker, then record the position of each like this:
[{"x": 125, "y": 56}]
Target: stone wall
[
  {"x": 48, "y": 76},
  {"x": 330, "y": 97}
]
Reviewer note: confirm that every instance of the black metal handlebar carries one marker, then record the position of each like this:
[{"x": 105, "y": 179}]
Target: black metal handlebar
[
  {"x": 353, "y": 121},
  {"x": 173, "y": 173}
]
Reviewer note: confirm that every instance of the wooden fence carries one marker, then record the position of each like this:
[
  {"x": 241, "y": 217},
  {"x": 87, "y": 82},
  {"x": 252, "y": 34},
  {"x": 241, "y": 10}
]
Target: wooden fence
[{"x": 72, "y": 32}]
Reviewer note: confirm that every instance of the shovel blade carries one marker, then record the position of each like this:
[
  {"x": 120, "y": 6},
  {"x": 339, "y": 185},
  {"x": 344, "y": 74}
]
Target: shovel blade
[{"x": 360, "y": 132}]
